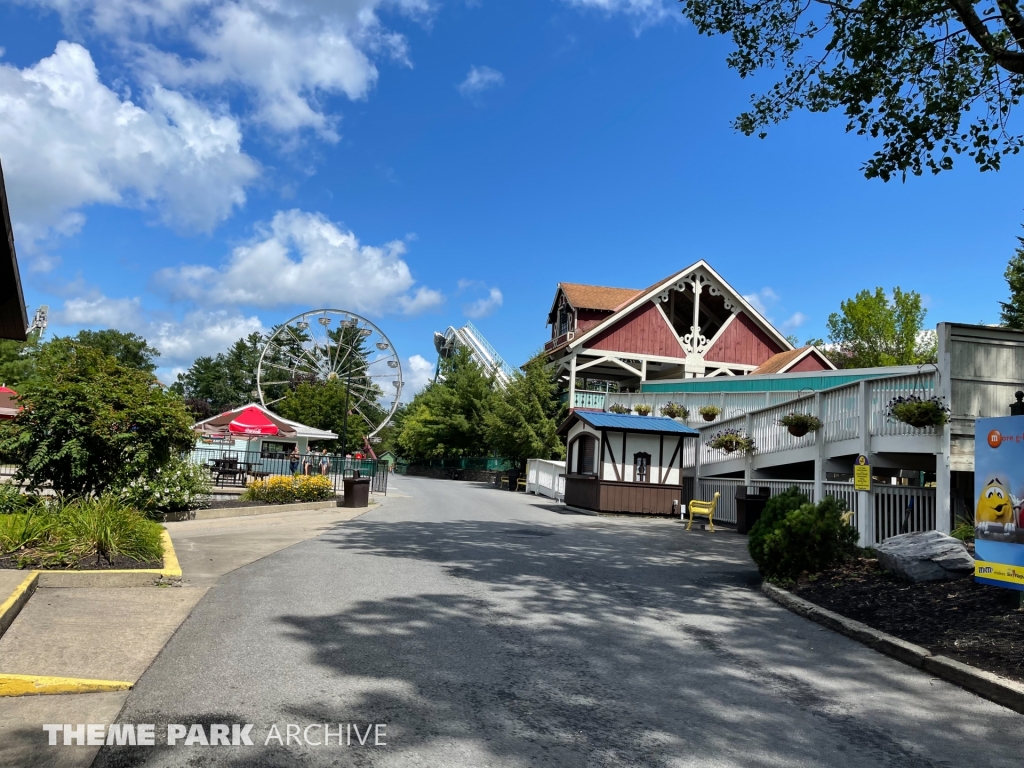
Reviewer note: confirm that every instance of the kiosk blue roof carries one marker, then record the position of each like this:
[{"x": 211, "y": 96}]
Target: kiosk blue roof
[{"x": 625, "y": 422}]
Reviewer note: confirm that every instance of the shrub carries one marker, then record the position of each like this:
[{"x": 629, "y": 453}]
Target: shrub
[
  {"x": 178, "y": 486},
  {"x": 64, "y": 535},
  {"x": 775, "y": 511},
  {"x": 964, "y": 530},
  {"x": 314, "y": 488},
  {"x": 12, "y": 499},
  {"x": 810, "y": 538},
  {"x": 674, "y": 411},
  {"x": 643, "y": 409},
  {"x": 617, "y": 408},
  {"x": 282, "y": 489}
]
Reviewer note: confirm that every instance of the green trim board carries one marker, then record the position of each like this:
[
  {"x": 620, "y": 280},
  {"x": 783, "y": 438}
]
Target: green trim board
[{"x": 786, "y": 382}]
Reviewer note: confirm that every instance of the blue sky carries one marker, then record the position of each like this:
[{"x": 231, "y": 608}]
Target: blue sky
[{"x": 195, "y": 169}]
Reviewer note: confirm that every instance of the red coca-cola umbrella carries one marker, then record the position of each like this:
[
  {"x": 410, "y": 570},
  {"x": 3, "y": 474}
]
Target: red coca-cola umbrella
[
  {"x": 8, "y": 403},
  {"x": 252, "y": 421}
]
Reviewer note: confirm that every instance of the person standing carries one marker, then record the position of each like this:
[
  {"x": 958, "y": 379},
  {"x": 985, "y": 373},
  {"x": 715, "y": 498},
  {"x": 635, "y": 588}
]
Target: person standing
[{"x": 293, "y": 460}]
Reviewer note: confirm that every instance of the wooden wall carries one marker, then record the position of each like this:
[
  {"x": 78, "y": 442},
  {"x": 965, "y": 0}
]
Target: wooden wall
[
  {"x": 744, "y": 343},
  {"x": 809, "y": 364},
  {"x": 632, "y": 498},
  {"x": 644, "y": 331}
]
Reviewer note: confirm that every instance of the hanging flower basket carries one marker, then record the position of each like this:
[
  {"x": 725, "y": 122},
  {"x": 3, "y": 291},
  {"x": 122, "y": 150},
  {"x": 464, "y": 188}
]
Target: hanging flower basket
[
  {"x": 799, "y": 424},
  {"x": 616, "y": 408},
  {"x": 919, "y": 412},
  {"x": 709, "y": 412},
  {"x": 675, "y": 411},
  {"x": 643, "y": 409},
  {"x": 732, "y": 440}
]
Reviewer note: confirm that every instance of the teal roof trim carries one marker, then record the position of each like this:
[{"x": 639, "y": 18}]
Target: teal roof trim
[{"x": 814, "y": 382}]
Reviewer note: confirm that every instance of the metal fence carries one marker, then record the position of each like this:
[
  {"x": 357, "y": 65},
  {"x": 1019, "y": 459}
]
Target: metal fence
[{"x": 236, "y": 468}]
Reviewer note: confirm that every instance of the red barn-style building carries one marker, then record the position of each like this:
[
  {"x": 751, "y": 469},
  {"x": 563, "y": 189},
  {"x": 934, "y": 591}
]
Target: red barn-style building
[{"x": 690, "y": 324}]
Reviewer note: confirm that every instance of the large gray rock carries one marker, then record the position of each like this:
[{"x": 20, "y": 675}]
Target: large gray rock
[{"x": 925, "y": 556}]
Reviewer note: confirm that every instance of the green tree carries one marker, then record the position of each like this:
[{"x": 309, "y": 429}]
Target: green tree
[
  {"x": 449, "y": 417},
  {"x": 1012, "y": 314},
  {"x": 322, "y": 405},
  {"x": 871, "y": 331},
  {"x": 18, "y": 361},
  {"x": 523, "y": 421},
  {"x": 90, "y": 423},
  {"x": 213, "y": 385},
  {"x": 128, "y": 349},
  {"x": 932, "y": 78}
]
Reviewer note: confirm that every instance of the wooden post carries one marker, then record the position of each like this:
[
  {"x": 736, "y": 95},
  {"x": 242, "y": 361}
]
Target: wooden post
[
  {"x": 865, "y": 499},
  {"x": 748, "y": 462},
  {"x": 572, "y": 381},
  {"x": 943, "y": 515},
  {"x": 819, "y": 455}
]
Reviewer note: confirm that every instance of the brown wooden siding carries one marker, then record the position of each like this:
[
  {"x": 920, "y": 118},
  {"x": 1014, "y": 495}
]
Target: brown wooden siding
[
  {"x": 744, "y": 343},
  {"x": 809, "y": 364},
  {"x": 633, "y": 498},
  {"x": 583, "y": 492},
  {"x": 643, "y": 331},
  {"x": 588, "y": 318}
]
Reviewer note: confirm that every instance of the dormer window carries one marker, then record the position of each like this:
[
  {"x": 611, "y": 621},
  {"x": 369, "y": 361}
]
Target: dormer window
[{"x": 564, "y": 324}]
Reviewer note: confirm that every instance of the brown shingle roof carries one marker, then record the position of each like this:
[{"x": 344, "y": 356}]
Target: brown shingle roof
[
  {"x": 596, "y": 296},
  {"x": 779, "y": 362}
]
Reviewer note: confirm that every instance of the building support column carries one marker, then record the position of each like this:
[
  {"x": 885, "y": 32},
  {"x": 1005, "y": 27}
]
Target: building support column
[
  {"x": 819, "y": 456},
  {"x": 748, "y": 457},
  {"x": 865, "y": 499},
  {"x": 572, "y": 382},
  {"x": 943, "y": 513}
]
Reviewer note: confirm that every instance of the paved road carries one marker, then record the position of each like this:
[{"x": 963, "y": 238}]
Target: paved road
[{"x": 489, "y": 629}]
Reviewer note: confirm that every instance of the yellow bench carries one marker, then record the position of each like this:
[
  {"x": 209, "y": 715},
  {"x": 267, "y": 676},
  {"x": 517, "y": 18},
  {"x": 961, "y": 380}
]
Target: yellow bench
[
  {"x": 704, "y": 508},
  {"x": 521, "y": 484}
]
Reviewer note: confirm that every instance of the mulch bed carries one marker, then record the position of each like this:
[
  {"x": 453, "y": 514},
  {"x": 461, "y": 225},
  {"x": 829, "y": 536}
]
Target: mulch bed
[
  {"x": 227, "y": 504},
  {"x": 119, "y": 563},
  {"x": 973, "y": 623}
]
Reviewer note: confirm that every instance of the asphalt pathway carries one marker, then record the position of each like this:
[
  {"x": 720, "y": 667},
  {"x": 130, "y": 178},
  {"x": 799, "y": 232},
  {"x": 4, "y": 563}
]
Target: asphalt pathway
[{"x": 484, "y": 628}]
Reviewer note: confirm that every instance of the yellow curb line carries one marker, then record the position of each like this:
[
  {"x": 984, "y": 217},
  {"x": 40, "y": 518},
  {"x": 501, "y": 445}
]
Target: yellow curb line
[
  {"x": 37, "y": 685},
  {"x": 96, "y": 578},
  {"x": 12, "y": 606}
]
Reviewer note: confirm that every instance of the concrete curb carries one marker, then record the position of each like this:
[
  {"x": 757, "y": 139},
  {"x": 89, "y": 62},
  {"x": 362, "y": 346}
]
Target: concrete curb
[
  {"x": 11, "y": 607},
  {"x": 263, "y": 509},
  {"x": 39, "y": 685},
  {"x": 1001, "y": 690}
]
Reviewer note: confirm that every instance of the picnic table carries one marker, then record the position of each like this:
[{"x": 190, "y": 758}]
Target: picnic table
[{"x": 230, "y": 471}]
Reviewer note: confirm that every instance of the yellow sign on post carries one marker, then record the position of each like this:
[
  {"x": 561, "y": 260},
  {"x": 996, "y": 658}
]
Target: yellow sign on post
[{"x": 862, "y": 474}]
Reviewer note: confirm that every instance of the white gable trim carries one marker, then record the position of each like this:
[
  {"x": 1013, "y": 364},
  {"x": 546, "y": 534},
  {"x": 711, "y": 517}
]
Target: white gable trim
[{"x": 733, "y": 298}]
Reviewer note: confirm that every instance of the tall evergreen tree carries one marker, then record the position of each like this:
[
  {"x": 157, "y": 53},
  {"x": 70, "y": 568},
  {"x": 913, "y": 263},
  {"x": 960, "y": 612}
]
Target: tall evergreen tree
[
  {"x": 524, "y": 419},
  {"x": 1012, "y": 314}
]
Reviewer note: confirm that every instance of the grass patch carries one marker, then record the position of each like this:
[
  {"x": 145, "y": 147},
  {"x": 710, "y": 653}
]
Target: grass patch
[{"x": 66, "y": 535}]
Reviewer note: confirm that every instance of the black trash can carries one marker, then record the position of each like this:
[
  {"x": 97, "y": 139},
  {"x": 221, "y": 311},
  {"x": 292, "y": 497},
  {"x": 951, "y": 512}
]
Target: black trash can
[
  {"x": 357, "y": 492},
  {"x": 750, "y": 501},
  {"x": 513, "y": 479}
]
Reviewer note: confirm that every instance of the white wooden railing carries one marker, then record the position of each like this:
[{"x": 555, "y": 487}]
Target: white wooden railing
[
  {"x": 839, "y": 409},
  {"x": 546, "y": 478},
  {"x": 897, "y": 508}
]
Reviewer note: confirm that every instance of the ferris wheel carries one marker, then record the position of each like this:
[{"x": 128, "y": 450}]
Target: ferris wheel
[{"x": 333, "y": 347}]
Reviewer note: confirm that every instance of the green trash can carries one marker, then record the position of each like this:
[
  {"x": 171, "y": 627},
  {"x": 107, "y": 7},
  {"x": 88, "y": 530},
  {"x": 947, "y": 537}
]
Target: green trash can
[{"x": 357, "y": 492}]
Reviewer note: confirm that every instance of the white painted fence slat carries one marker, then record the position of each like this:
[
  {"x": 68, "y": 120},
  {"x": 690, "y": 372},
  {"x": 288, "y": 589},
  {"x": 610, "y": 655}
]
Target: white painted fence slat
[{"x": 545, "y": 478}]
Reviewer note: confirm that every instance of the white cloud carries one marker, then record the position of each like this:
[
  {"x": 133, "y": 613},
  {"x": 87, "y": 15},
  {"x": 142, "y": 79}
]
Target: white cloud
[
  {"x": 762, "y": 300},
  {"x": 646, "y": 12},
  {"x": 287, "y": 54},
  {"x": 305, "y": 259},
  {"x": 68, "y": 141},
  {"x": 485, "y": 306},
  {"x": 479, "y": 80},
  {"x": 97, "y": 311},
  {"x": 793, "y": 322},
  {"x": 200, "y": 333},
  {"x": 418, "y": 372}
]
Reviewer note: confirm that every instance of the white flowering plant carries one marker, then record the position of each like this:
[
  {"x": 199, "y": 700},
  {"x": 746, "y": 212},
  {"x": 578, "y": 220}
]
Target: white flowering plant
[{"x": 178, "y": 486}]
